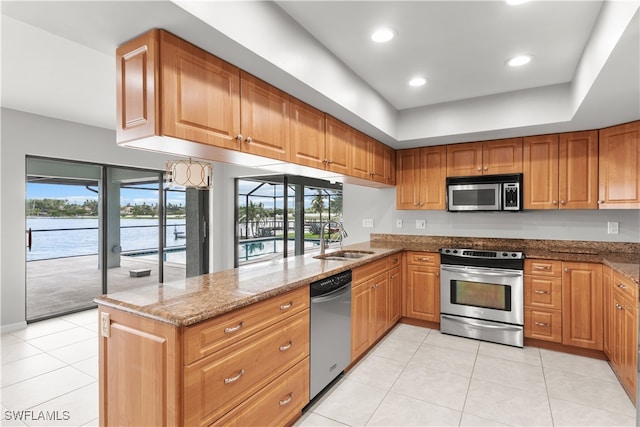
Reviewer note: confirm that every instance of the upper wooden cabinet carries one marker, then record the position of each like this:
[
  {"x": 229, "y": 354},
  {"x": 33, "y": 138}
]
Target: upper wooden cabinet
[
  {"x": 264, "y": 124},
  {"x": 421, "y": 178},
  {"x": 560, "y": 171},
  {"x": 485, "y": 158},
  {"x": 338, "y": 145},
  {"x": 307, "y": 135},
  {"x": 190, "y": 95},
  {"x": 619, "y": 183},
  {"x": 361, "y": 154}
]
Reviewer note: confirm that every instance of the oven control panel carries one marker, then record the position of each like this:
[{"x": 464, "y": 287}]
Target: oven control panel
[{"x": 485, "y": 254}]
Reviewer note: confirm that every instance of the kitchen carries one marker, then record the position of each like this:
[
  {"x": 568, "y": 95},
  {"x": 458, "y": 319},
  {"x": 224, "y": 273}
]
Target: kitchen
[{"x": 29, "y": 130}]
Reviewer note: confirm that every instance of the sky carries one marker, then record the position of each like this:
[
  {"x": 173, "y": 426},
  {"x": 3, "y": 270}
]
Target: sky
[{"x": 79, "y": 194}]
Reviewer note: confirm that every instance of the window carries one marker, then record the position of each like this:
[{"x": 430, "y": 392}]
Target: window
[{"x": 280, "y": 216}]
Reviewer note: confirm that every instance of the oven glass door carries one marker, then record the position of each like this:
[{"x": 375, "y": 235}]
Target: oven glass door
[
  {"x": 482, "y": 293},
  {"x": 474, "y": 197}
]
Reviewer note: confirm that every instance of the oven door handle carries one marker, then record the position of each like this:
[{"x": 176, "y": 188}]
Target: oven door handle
[
  {"x": 469, "y": 272},
  {"x": 486, "y": 325}
]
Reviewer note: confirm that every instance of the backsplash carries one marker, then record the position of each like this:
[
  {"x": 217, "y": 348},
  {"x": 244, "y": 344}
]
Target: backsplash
[{"x": 568, "y": 246}]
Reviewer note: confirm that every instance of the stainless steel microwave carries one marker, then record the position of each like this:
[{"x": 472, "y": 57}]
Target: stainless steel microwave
[{"x": 484, "y": 193}]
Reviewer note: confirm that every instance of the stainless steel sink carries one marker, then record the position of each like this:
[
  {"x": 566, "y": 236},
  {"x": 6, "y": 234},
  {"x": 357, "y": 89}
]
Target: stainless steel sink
[{"x": 344, "y": 255}]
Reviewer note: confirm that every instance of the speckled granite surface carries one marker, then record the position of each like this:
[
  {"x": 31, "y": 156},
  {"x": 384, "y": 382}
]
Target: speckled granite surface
[
  {"x": 187, "y": 302},
  {"x": 623, "y": 257},
  {"x": 190, "y": 301}
]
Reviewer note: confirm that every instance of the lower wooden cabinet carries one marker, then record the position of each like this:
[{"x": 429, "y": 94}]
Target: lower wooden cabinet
[
  {"x": 621, "y": 331},
  {"x": 374, "y": 299},
  {"x": 422, "y": 286},
  {"x": 154, "y": 373},
  {"x": 582, "y": 320},
  {"x": 543, "y": 300},
  {"x": 395, "y": 289}
]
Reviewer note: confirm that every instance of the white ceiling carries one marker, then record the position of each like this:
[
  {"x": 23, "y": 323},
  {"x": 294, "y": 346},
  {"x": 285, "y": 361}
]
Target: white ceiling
[{"x": 58, "y": 60}]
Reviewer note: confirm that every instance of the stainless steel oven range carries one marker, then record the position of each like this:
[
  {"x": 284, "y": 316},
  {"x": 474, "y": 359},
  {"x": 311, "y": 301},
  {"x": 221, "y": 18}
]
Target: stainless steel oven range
[{"x": 482, "y": 295}]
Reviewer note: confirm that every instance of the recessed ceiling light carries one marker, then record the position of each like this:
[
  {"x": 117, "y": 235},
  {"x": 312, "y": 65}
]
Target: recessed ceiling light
[
  {"x": 519, "y": 60},
  {"x": 515, "y": 2},
  {"x": 417, "y": 81},
  {"x": 382, "y": 35}
]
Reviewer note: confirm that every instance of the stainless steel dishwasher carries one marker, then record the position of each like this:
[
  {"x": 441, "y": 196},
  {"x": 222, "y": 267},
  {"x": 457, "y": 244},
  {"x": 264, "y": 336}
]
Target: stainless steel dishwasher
[{"x": 330, "y": 330}]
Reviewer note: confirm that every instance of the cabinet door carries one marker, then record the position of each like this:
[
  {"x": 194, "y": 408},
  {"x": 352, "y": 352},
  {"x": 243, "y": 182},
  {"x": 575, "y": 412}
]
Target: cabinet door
[
  {"x": 543, "y": 292},
  {"x": 433, "y": 177},
  {"x": 607, "y": 311},
  {"x": 378, "y": 162},
  {"x": 619, "y": 163},
  {"x": 395, "y": 295},
  {"x": 629, "y": 350},
  {"x": 360, "y": 319},
  {"x": 360, "y": 155},
  {"x": 380, "y": 306},
  {"x": 265, "y": 119},
  {"x": 540, "y": 170},
  {"x": 578, "y": 170},
  {"x": 407, "y": 178},
  {"x": 390, "y": 165},
  {"x": 582, "y": 322},
  {"x": 464, "y": 159},
  {"x": 200, "y": 95},
  {"x": 502, "y": 156},
  {"x": 307, "y": 135},
  {"x": 423, "y": 293},
  {"x": 338, "y": 145},
  {"x": 543, "y": 324}
]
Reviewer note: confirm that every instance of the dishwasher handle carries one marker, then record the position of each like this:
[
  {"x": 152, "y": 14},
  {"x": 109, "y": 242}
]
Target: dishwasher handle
[{"x": 333, "y": 295}]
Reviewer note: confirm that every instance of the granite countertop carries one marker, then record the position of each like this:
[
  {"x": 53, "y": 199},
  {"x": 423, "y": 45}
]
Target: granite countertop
[{"x": 193, "y": 300}]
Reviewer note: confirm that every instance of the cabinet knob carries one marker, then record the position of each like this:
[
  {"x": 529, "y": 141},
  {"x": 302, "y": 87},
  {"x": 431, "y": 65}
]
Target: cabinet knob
[
  {"x": 562, "y": 202},
  {"x": 555, "y": 202},
  {"x": 621, "y": 286},
  {"x": 330, "y": 162},
  {"x": 239, "y": 137},
  {"x": 566, "y": 270},
  {"x": 619, "y": 307},
  {"x": 479, "y": 168},
  {"x": 249, "y": 140},
  {"x": 600, "y": 202},
  {"x": 486, "y": 168},
  {"x": 325, "y": 160}
]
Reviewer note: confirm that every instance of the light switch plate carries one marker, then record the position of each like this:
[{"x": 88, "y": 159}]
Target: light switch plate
[
  {"x": 367, "y": 223},
  {"x": 613, "y": 227},
  {"x": 421, "y": 224},
  {"x": 398, "y": 223}
]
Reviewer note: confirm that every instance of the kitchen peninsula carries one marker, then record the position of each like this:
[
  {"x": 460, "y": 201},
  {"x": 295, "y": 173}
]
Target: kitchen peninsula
[{"x": 169, "y": 354}]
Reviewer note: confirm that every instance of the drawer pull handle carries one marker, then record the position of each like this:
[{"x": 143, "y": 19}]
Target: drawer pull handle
[
  {"x": 286, "y": 346},
  {"x": 541, "y": 267},
  {"x": 286, "y": 306},
  {"x": 546, "y": 325},
  {"x": 234, "y": 379},
  {"x": 234, "y": 328},
  {"x": 287, "y": 400},
  {"x": 424, "y": 259},
  {"x": 621, "y": 286},
  {"x": 395, "y": 260},
  {"x": 538, "y": 291}
]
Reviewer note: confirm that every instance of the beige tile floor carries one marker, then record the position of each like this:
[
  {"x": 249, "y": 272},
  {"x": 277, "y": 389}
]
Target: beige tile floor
[
  {"x": 420, "y": 377},
  {"x": 415, "y": 376}
]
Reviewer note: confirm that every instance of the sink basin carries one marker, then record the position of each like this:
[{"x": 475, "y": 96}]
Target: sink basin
[{"x": 344, "y": 255}]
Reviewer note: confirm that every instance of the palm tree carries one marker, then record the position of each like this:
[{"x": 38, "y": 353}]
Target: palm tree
[
  {"x": 335, "y": 204},
  {"x": 317, "y": 204},
  {"x": 252, "y": 215}
]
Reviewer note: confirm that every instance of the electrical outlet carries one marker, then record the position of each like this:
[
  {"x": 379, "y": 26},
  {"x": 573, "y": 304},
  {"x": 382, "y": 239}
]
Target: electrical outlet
[
  {"x": 421, "y": 224},
  {"x": 613, "y": 227},
  {"x": 398, "y": 223},
  {"x": 367, "y": 223}
]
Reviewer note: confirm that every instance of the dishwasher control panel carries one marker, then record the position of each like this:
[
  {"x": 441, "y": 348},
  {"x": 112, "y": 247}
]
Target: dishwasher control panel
[{"x": 330, "y": 283}]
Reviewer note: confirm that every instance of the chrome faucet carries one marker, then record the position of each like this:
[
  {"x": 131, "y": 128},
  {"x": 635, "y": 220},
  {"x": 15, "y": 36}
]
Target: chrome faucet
[{"x": 341, "y": 232}]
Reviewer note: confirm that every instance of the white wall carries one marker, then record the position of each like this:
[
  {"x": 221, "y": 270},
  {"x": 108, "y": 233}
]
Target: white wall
[
  {"x": 361, "y": 203},
  {"x": 28, "y": 134}
]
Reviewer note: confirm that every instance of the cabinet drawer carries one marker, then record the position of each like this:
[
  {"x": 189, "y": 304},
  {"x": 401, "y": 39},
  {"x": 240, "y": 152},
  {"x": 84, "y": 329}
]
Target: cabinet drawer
[
  {"x": 395, "y": 260},
  {"x": 543, "y": 324},
  {"x": 624, "y": 286},
  {"x": 276, "y": 404},
  {"x": 544, "y": 292},
  {"x": 423, "y": 258},
  {"x": 542, "y": 267},
  {"x": 217, "y": 383},
  {"x": 370, "y": 270},
  {"x": 220, "y": 332}
]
